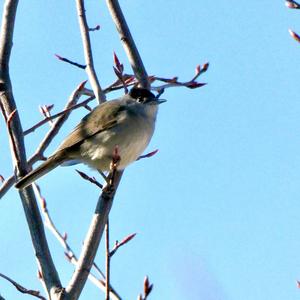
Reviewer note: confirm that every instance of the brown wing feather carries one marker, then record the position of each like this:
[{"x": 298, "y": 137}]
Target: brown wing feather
[{"x": 96, "y": 121}]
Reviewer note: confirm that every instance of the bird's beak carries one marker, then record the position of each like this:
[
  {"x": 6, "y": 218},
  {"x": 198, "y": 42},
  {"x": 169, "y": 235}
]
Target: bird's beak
[
  {"x": 155, "y": 101},
  {"x": 160, "y": 101}
]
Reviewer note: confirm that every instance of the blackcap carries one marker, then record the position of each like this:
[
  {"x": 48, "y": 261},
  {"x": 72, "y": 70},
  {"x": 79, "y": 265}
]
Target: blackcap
[{"x": 126, "y": 123}]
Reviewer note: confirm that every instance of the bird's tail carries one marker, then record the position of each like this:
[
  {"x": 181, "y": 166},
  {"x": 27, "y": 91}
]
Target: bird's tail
[{"x": 51, "y": 163}]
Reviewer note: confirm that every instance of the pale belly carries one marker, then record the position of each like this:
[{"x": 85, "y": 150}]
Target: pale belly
[{"x": 97, "y": 152}]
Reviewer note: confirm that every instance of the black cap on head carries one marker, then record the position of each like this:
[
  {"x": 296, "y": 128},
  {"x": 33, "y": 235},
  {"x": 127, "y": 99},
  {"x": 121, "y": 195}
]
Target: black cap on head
[{"x": 138, "y": 93}]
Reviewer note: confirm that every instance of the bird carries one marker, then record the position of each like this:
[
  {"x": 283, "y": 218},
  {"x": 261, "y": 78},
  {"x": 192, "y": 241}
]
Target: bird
[{"x": 127, "y": 123}]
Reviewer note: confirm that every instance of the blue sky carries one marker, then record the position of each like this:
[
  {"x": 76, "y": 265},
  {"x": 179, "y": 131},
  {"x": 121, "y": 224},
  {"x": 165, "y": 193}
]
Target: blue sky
[{"x": 216, "y": 210}]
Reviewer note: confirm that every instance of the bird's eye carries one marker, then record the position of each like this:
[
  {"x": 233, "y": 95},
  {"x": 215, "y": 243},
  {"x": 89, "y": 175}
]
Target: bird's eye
[{"x": 140, "y": 99}]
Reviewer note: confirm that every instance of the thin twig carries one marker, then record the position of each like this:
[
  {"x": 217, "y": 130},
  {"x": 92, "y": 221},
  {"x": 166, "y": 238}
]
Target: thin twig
[
  {"x": 63, "y": 112},
  {"x": 8, "y": 104},
  {"x": 84, "y": 29},
  {"x": 90, "y": 179},
  {"x": 80, "y": 66},
  {"x": 107, "y": 260},
  {"x": 21, "y": 289},
  {"x": 57, "y": 125},
  {"x": 128, "y": 43}
]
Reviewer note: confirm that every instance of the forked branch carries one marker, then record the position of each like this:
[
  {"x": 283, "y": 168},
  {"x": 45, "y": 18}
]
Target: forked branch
[
  {"x": 105, "y": 201},
  {"x": 15, "y": 133}
]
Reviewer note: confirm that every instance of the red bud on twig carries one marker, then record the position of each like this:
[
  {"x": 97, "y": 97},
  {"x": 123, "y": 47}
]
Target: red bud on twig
[
  {"x": 116, "y": 156},
  {"x": 205, "y": 67},
  {"x": 150, "y": 154},
  {"x": 43, "y": 203},
  {"x": 90, "y": 179},
  {"x": 65, "y": 236},
  {"x": 147, "y": 286},
  {"x": 122, "y": 243},
  {"x": 292, "y": 4},
  {"x": 1, "y": 178},
  {"x": 68, "y": 256},
  {"x": 70, "y": 62},
  {"x": 129, "y": 79},
  {"x": 151, "y": 78},
  {"x": 294, "y": 35},
  {"x": 118, "y": 65},
  {"x": 172, "y": 80},
  {"x": 95, "y": 28},
  {"x": 59, "y": 57},
  {"x": 194, "y": 84},
  {"x": 127, "y": 239},
  {"x": 82, "y": 85}
]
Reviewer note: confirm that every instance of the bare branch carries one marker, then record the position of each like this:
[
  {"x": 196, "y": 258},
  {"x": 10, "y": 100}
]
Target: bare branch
[
  {"x": 107, "y": 260},
  {"x": 21, "y": 289},
  {"x": 18, "y": 153},
  {"x": 92, "y": 240},
  {"x": 128, "y": 43},
  {"x": 84, "y": 29},
  {"x": 62, "y": 239}
]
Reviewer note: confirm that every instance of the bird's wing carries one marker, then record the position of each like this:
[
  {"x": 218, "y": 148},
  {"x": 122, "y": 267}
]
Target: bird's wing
[{"x": 99, "y": 119}]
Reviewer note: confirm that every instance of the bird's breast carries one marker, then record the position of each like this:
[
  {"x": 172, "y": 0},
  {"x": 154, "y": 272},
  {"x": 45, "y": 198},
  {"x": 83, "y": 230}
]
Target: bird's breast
[{"x": 131, "y": 136}]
